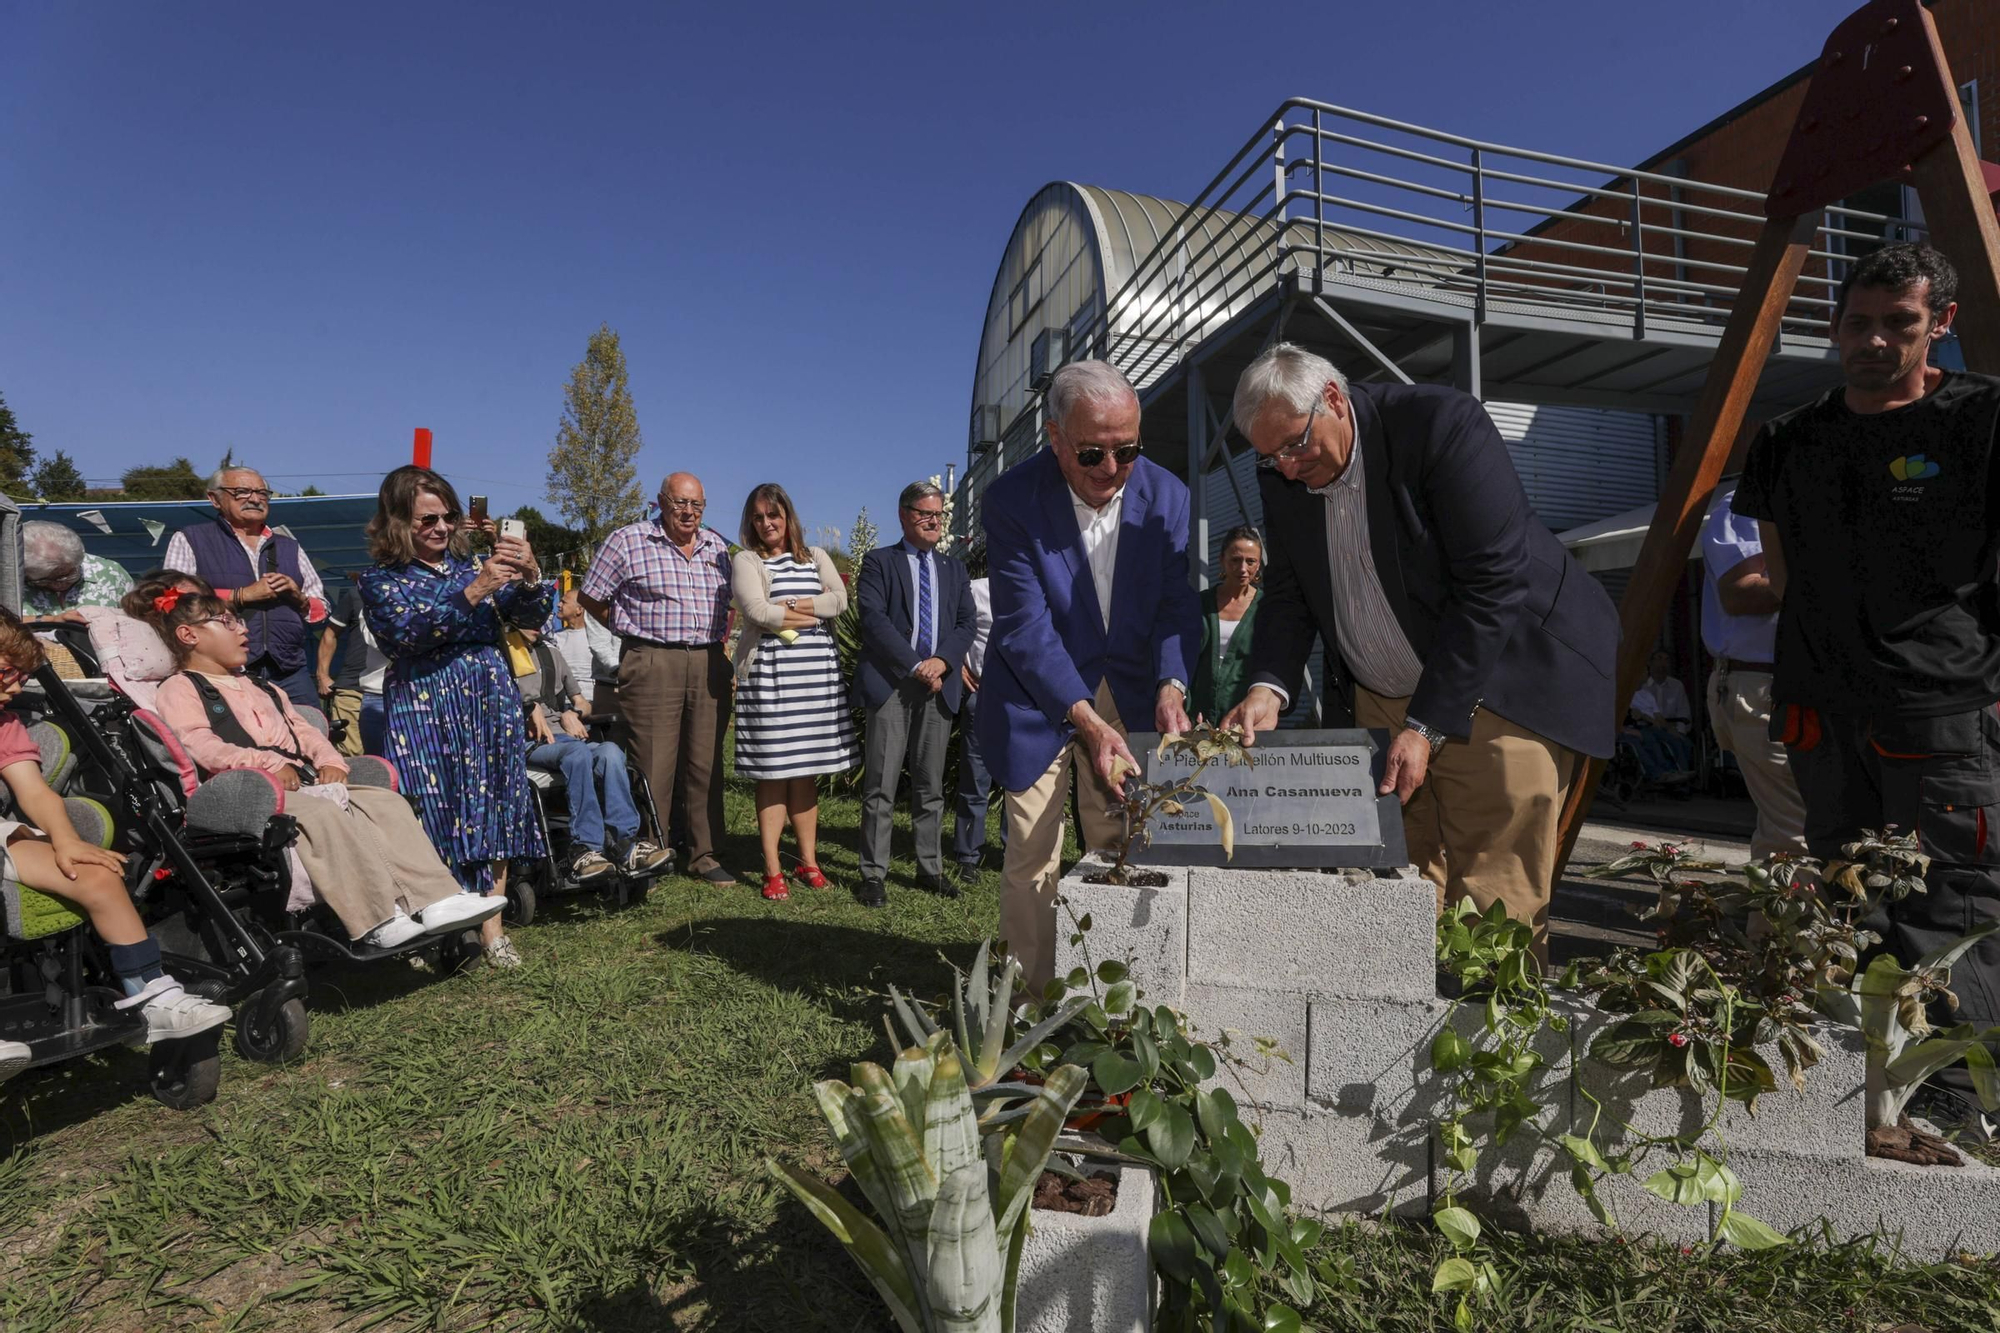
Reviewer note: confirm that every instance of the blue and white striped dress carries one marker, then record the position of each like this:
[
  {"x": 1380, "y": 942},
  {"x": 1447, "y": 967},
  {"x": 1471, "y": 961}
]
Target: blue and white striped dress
[{"x": 792, "y": 714}]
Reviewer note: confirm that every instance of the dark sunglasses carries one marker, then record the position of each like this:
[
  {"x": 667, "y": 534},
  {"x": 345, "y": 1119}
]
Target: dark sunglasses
[
  {"x": 449, "y": 519},
  {"x": 1092, "y": 455}
]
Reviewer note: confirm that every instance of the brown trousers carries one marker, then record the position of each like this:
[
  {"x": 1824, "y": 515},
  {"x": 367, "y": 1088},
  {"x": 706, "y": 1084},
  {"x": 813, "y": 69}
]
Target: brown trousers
[
  {"x": 1483, "y": 824},
  {"x": 369, "y": 859},
  {"x": 674, "y": 707},
  {"x": 1033, "y": 865}
]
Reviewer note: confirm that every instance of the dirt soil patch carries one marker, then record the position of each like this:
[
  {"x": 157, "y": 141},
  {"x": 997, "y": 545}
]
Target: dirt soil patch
[{"x": 1093, "y": 1196}]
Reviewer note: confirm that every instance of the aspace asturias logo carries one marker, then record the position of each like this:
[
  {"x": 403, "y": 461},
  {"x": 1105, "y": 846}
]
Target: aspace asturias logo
[{"x": 1913, "y": 468}]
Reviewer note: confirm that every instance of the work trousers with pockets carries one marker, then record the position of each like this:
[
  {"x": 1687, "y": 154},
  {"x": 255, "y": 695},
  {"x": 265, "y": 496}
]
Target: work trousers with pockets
[{"x": 674, "y": 704}]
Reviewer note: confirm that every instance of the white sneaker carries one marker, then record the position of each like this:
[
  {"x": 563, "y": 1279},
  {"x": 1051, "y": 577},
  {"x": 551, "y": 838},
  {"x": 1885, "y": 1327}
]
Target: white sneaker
[
  {"x": 398, "y": 929},
  {"x": 14, "y": 1057},
  {"x": 171, "y": 1012},
  {"x": 502, "y": 953},
  {"x": 458, "y": 911}
]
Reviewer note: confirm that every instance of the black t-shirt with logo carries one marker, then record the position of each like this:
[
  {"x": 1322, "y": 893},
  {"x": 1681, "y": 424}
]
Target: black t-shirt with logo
[{"x": 1888, "y": 524}]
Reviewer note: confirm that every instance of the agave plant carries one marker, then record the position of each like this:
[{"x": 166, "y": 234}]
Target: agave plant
[
  {"x": 982, "y": 1025},
  {"x": 1890, "y": 1004},
  {"x": 955, "y": 1212}
]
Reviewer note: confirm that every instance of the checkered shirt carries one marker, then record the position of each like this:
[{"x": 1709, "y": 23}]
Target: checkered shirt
[{"x": 655, "y": 591}]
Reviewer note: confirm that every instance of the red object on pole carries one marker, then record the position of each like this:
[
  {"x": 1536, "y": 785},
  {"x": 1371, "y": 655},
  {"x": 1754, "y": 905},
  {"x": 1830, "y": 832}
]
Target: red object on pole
[{"x": 420, "y": 453}]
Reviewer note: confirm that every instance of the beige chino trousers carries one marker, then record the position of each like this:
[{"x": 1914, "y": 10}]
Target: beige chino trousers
[{"x": 369, "y": 859}]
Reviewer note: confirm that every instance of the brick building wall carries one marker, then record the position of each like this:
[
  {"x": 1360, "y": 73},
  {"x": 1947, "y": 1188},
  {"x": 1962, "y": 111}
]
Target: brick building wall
[{"x": 1743, "y": 150}]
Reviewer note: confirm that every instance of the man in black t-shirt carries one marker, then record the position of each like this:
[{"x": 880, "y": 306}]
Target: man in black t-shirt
[{"x": 1879, "y": 514}]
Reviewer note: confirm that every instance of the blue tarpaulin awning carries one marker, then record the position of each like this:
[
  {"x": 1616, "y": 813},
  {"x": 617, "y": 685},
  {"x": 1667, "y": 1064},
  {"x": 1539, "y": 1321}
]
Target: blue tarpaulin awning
[{"x": 331, "y": 528}]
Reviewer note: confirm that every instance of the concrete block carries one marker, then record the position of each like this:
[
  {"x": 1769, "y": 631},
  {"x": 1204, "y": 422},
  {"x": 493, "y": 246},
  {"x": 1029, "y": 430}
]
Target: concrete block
[
  {"x": 1826, "y": 1119},
  {"x": 1322, "y": 934},
  {"x": 1090, "y": 1272},
  {"x": 1242, "y": 1015},
  {"x": 1934, "y": 1211},
  {"x": 1341, "y": 1163},
  {"x": 1509, "y": 1182},
  {"x": 1145, "y": 928}
]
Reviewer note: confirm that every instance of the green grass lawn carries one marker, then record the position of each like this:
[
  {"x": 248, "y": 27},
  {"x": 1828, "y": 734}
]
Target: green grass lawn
[{"x": 579, "y": 1145}]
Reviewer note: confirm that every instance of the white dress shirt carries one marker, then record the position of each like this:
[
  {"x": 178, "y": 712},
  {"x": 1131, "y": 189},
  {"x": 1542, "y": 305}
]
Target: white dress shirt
[
  {"x": 1727, "y": 540},
  {"x": 982, "y": 610},
  {"x": 1100, "y": 543},
  {"x": 1668, "y": 698}
]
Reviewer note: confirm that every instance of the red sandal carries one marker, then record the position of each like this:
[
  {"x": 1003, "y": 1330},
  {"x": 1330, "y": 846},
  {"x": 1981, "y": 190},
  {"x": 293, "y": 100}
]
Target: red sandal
[
  {"x": 810, "y": 877},
  {"x": 774, "y": 888}
]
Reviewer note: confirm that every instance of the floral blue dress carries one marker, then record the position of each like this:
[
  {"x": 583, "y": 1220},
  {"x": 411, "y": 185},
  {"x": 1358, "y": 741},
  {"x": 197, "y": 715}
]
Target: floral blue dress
[{"x": 454, "y": 725}]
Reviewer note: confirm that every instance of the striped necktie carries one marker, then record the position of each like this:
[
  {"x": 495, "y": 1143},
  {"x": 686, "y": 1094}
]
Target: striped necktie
[{"x": 923, "y": 606}]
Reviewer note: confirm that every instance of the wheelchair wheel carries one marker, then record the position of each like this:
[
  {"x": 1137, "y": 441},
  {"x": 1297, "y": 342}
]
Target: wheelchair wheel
[
  {"x": 520, "y": 909},
  {"x": 185, "y": 1074},
  {"x": 283, "y": 1039}
]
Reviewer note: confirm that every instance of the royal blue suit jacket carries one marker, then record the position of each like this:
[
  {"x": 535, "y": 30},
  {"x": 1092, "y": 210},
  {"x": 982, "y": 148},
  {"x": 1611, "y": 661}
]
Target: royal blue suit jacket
[
  {"x": 882, "y": 594},
  {"x": 1049, "y": 645}
]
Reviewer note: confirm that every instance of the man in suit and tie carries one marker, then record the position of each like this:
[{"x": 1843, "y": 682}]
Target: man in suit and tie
[
  {"x": 1094, "y": 623},
  {"x": 917, "y": 622},
  {"x": 1401, "y": 538}
]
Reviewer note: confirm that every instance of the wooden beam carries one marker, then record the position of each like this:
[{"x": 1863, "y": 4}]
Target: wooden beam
[
  {"x": 1746, "y": 344},
  {"x": 1952, "y": 189}
]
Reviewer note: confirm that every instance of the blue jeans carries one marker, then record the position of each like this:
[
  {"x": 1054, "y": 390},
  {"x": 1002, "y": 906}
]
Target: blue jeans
[
  {"x": 975, "y": 789},
  {"x": 585, "y": 765},
  {"x": 1663, "y": 751},
  {"x": 373, "y": 723}
]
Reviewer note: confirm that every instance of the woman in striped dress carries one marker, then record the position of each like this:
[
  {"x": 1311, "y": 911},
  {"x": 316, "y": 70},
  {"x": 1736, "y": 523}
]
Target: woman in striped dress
[{"x": 792, "y": 718}]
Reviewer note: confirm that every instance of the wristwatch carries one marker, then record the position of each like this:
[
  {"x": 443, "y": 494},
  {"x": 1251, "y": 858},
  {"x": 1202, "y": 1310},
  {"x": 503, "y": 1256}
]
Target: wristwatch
[{"x": 1432, "y": 736}]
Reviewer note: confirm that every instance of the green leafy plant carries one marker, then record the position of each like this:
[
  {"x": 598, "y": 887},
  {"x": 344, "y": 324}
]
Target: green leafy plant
[
  {"x": 955, "y": 1212},
  {"x": 1144, "y": 800},
  {"x": 1890, "y": 1004}
]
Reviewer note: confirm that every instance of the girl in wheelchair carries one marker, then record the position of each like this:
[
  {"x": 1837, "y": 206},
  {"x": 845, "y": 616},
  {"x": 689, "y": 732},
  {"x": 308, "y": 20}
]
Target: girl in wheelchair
[
  {"x": 43, "y": 851},
  {"x": 363, "y": 847}
]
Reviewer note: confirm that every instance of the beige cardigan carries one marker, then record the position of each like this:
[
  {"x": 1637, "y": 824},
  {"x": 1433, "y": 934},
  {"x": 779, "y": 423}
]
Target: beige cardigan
[{"x": 757, "y": 615}]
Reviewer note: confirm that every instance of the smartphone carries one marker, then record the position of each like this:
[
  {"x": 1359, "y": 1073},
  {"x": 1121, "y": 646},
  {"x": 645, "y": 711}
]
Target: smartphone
[
  {"x": 477, "y": 511},
  {"x": 513, "y": 527}
]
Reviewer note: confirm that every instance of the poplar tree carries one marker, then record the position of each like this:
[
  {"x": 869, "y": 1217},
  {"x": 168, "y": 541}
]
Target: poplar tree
[{"x": 591, "y": 476}]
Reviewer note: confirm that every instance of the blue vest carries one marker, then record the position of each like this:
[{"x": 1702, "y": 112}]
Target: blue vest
[{"x": 276, "y": 629}]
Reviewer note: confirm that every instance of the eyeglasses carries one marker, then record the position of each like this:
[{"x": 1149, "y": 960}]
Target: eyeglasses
[
  {"x": 423, "y": 521},
  {"x": 1092, "y": 455},
  {"x": 924, "y": 517},
  {"x": 228, "y": 620},
  {"x": 243, "y": 492},
  {"x": 1269, "y": 462},
  {"x": 687, "y": 506}
]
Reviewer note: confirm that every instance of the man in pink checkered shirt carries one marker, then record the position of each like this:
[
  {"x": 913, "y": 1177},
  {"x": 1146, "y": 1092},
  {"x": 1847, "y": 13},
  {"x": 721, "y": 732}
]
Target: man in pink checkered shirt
[{"x": 663, "y": 587}]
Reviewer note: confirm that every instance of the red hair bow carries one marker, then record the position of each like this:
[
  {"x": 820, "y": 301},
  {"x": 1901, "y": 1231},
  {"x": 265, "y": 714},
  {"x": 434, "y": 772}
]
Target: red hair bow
[{"x": 167, "y": 601}]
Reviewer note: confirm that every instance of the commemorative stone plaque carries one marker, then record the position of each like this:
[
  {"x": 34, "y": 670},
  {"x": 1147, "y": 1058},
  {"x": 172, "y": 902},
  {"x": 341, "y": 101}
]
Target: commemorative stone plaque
[{"x": 1307, "y": 801}]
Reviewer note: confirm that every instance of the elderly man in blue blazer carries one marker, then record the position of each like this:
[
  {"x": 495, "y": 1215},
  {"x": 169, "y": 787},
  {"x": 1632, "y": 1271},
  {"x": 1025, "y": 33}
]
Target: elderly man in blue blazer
[
  {"x": 917, "y": 622},
  {"x": 1401, "y": 539},
  {"x": 1094, "y": 626}
]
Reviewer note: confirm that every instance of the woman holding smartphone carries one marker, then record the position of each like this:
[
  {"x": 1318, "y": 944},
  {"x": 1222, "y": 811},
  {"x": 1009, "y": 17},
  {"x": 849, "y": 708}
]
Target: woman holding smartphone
[{"x": 454, "y": 726}]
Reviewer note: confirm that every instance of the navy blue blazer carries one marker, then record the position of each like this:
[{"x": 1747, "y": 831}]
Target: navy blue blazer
[
  {"x": 1049, "y": 645},
  {"x": 1501, "y": 616},
  {"x": 883, "y": 594}
]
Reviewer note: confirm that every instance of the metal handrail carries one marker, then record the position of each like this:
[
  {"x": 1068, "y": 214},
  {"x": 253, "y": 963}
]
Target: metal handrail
[{"x": 1189, "y": 282}]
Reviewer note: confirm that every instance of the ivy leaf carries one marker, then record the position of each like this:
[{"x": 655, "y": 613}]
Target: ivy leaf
[
  {"x": 1120, "y": 997},
  {"x": 1111, "y": 971},
  {"x": 1281, "y": 1319},
  {"x": 1114, "y": 1072},
  {"x": 1449, "y": 1051},
  {"x": 1452, "y": 1275},
  {"x": 1676, "y": 1184},
  {"x": 1208, "y": 1229},
  {"x": 1747, "y": 1233},
  {"x": 1172, "y": 1246},
  {"x": 1459, "y": 1226},
  {"x": 1144, "y": 1108},
  {"x": 1203, "y": 1061},
  {"x": 1172, "y": 1137},
  {"x": 1216, "y": 1110},
  {"x": 1584, "y": 1152}
]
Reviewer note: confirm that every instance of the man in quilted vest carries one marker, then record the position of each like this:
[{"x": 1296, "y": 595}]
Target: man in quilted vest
[{"x": 265, "y": 576}]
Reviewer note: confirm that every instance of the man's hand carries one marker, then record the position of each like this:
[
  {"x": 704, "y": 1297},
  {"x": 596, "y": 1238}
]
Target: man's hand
[
  {"x": 538, "y": 727},
  {"x": 971, "y": 681},
  {"x": 931, "y": 669},
  {"x": 288, "y": 778},
  {"x": 1170, "y": 711},
  {"x": 323, "y": 682},
  {"x": 1109, "y": 756},
  {"x": 283, "y": 587},
  {"x": 1259, "y": 711},
  {"x": 1409, "y": 761},
  {"x": 573, "y": 725},
  {"x": 72, "y": 855},
  {"x": 69, "y": 617},
  {"x": 256, "y": 593}
]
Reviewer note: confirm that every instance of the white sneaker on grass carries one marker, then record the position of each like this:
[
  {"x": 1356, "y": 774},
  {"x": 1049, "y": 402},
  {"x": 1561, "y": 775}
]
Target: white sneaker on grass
[
  {"x": 398, "y": 929},
  {"x": 14, "y": 1057},
  {"x": 502, "y": 953},
  {"x": 458, "y": 911},
  {"x": 171, "y": 1013}
]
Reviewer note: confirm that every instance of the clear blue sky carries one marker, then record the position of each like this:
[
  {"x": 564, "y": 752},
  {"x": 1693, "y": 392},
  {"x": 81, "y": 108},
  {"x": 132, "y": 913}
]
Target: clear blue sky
[{"x": 301, "y": 230}]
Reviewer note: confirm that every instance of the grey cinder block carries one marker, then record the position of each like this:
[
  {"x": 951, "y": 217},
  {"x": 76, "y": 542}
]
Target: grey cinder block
[
  {"x": 1244, "y": 1015},
  {"x": 1146, "y": 928},
  {"x": 1934, "y": 1211},
  {"x": 1090, "y": 1272},
  {"x": 1300, "y": 930}
]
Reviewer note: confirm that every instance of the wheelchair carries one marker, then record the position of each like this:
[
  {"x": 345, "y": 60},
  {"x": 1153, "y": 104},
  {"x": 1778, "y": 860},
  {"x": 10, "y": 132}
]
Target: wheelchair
[
  {"x": 207, "y": 866},
  {"x": 530, "y": 879},
  {"x": 58, "y": 994}
]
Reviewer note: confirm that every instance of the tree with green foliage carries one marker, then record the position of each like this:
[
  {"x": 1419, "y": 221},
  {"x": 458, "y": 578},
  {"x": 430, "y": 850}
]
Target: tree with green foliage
[
  {"x": 58, "y": 480},
  {"x": 176, "y": 481},
  {"x": 17, "y": 454},
  {"x": 591, "y": 477},
  {"x": 549, "y": 540}
]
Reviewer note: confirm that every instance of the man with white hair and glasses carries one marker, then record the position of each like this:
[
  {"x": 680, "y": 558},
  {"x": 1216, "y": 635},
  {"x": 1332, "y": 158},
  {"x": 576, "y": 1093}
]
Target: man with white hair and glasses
[
  {"x": 1094, "y": 626},
  {"x": 58, "y": 578},
  {"x": 1401, "y": 539},
  {"x": 265, "y": 576}
]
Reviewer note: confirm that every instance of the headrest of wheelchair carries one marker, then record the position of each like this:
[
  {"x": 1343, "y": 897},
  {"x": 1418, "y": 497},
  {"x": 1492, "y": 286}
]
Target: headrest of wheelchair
[{"x": 57, "y": 757}]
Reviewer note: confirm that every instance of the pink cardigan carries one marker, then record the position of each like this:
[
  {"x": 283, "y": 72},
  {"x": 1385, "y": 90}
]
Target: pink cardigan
[{"x": 181, "y": 708}]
